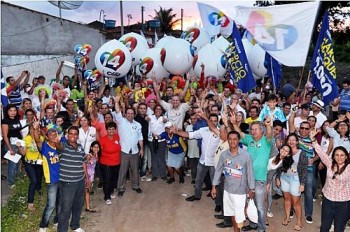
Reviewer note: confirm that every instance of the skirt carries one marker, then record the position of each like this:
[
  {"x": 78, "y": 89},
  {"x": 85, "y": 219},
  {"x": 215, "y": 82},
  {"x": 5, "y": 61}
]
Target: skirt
[{"x": 175, "y": 160}]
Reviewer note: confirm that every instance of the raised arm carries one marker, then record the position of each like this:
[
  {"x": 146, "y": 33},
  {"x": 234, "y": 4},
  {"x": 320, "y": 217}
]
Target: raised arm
[
  {"x": 75, "y": 78},
  {"x": 291, "y": 122},
  {"x": 26, "y": 80},
  {"x": 58, "y": 72},
  {"x": 19, "y": 79},
  {"x": 36, "y": 128}
]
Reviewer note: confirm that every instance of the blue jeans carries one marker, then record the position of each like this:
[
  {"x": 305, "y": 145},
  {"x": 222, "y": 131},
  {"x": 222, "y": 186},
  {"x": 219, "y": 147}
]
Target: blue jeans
[
  {"x": 144, "y": 159},
  {"x": 53, "y": 197},
  {"x": 308, "y": 194},
  {"x": 35, "y": 174},
  {"x": 12, "y": 167},
  {"x": 259, "y": 199},
  {"x": 71, "y": 203},
  {"x": 334, "y": 211}
]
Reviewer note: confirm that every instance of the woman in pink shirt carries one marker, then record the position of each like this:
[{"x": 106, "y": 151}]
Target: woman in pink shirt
[{"x": 336, "y": 191}]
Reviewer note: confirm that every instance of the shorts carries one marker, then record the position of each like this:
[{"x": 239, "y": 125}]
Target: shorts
[
  {"x": 234, "y": 205},
  {"x": 175, "y": 160},
  {"x": 290, "y": 184}
]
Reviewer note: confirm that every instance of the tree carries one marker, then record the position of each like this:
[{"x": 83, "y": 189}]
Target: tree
[{"x": 167, "y": 19}]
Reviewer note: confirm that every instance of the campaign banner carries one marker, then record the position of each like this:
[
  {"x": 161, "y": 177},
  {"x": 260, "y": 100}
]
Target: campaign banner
[
  {"x": 323, "y": 70},
  {"x": 284, "y": 31},
  {"x": 240, "y": 71},
  {"x": 215, "y": 21}
]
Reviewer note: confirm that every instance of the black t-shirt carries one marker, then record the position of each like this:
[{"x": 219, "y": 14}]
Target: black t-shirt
[
  {"x": 144, "y": 127},
  {"x": 15, "y": 128}
]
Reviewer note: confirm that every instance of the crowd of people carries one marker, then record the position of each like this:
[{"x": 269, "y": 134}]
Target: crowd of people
[{"x": 236, "y": 145}]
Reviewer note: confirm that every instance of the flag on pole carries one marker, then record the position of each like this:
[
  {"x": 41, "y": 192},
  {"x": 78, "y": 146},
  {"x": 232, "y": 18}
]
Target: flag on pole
[
  {"x": 284, "y": 31},
  {"x": 4, "y": 98},
  {"x": 274, "y": 70},
  {"x": 323, "y": 71},
  {"x": 215, "y": 21},
  {"x": 238, "y": 63}
]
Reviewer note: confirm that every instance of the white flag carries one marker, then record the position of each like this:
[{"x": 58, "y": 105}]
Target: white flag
[
  {"x": 215, "y": 21},
  {"x": 284, "y": 31}
]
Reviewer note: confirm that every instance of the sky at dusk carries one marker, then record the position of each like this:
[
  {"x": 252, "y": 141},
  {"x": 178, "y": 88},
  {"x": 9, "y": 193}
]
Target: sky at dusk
[{"x": 89, "y": 11}]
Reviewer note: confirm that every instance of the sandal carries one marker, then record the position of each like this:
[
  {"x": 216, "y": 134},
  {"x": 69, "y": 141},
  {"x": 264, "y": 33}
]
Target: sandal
[
  {"x": 285, "y": 222},
  {"x": 90, "y": 210},
  {"x": 298, "y": 228}
]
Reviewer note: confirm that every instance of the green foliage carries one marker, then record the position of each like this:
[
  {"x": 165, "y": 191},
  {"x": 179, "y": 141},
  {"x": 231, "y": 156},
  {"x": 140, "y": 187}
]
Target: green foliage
[
  {"x": 166, "y": 18},
  {"x": 15, "y": 216},
  {"x": 342, "y": 53}
]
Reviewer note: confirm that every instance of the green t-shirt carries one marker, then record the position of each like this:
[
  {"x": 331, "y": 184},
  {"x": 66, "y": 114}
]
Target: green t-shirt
[{"x": 260, "y": 153}]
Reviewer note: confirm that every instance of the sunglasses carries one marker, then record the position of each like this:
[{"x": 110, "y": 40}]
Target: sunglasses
[{"x": 304, "y": 128}]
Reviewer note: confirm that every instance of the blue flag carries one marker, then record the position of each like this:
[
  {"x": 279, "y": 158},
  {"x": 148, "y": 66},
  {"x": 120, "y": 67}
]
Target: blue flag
[
  {"x": 274, "y": 70},
  {"x": 323, "y": 72},
  {"x": 238, "y": 63},
  {"x": 4, "y": 98}
]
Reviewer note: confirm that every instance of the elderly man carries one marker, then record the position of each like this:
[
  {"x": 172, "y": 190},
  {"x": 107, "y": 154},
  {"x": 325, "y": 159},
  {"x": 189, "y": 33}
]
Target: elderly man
[
  {"x": 130, "y": 137},
  {"x": 259, "y": 147}
]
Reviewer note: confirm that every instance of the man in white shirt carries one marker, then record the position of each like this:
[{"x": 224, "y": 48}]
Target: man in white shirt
[
  {"x": 210, "y": 141},
  {"x": 316, "y": 108},
  {"x": 130, "y": 137}
]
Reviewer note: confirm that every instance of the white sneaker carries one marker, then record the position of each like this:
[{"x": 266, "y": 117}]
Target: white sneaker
[
  {"x": 112, "y": 196},
  {"x": 79, "y": 230},
  {"x": 108, "y": 202},
  {"x": 269, "y": 214},
  {"x": 145, "y": 178},
  {"x": 42, "y": 229}
]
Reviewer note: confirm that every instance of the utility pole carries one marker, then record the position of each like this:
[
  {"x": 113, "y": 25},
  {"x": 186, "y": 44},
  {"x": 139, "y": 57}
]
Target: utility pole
[
  {"x": 142, "y": 10},
  {"x": 182, "y": 19},
  {"x": 121, "y": 19}
]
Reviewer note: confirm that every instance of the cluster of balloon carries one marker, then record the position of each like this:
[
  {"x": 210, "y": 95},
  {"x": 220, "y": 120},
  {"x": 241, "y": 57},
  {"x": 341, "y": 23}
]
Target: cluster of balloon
[
  {"x": 82, "y": 58},
  {"x": 137, "y": 46},
  {"x": 256, "y": 59},
  {"x": 178, "y": 55},
  {"x": 92, "y": 75},
  {"x": 214, "y": 60},
  {"x": 113, "y": 59},
  {"x": 151, "y": 64},
  {"x": 198, "y": 37}
]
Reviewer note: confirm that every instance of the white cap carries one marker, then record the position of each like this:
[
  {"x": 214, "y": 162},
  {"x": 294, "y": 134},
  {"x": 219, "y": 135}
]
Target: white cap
[{"x": 168, "y": 124}]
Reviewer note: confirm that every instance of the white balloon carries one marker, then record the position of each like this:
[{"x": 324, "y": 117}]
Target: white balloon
[
  {"x": 221, "y": 43},
  {"x": 163, "y": 41},
  {"x": 256, "y": 58},
  {"x": 247, "y": 46},
  {"x": 213, "y": 59},
  {"x": 151, "y": 64},
  {"x": 197, "y": 36},
  {"x": 113, "y": 59},
  {"x": 136, "y": 44},
  {"x": 178, "y": 56}
]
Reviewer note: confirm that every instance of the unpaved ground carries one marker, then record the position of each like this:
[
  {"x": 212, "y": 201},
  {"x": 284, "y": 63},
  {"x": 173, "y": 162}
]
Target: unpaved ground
[{"x": 162, "y": 207}]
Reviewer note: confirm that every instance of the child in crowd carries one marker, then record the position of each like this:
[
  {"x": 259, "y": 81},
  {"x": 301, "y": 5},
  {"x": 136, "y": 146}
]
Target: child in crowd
[{"x": 271, "y": 109}]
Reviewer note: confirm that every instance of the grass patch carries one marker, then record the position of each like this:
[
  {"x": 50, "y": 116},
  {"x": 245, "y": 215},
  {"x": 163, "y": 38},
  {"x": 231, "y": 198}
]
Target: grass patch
[{"x": 14, "y": 214}]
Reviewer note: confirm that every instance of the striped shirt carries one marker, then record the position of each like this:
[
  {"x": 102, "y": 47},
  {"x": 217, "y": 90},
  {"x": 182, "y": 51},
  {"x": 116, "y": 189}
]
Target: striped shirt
[
  {"x": 14, "y": 95},
  {"x": 72, "y": 160}
]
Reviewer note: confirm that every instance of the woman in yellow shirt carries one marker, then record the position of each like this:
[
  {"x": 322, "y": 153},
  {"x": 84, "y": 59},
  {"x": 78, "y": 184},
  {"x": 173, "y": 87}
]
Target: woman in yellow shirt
[{"x": 33, "y": 165}]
